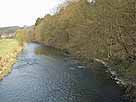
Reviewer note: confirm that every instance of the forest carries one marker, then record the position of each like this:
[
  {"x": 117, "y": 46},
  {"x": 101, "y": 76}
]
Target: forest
[{"x": 102, "y": 29}]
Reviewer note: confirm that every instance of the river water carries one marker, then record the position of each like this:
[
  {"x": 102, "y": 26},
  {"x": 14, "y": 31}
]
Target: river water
[{"x": 44, "y": 74}]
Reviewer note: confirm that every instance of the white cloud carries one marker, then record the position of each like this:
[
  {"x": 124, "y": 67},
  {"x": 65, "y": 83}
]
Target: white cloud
[{"x": 24, "y": 12}]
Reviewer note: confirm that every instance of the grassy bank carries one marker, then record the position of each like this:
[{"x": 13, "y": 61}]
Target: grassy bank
[{"x": 9, "y": 48}]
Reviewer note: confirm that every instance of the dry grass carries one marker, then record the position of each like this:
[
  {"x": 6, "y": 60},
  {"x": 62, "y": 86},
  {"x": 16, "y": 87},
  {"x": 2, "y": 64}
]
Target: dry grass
[{"x": 9, "y": 48}]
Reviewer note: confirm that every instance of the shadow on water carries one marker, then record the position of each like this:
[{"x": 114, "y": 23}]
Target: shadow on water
[
  {"x": 44, "y": 74},
  {"x": 49, "y": 51}
]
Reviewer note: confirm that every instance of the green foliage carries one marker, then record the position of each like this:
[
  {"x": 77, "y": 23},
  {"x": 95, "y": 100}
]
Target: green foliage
[
  {"x": 25, "y": 35},
  {"x": 38, "y": 21},
  {"x": 21, "y": 36}
]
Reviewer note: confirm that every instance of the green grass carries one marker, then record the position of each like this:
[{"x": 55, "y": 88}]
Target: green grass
[{"x": 7, "y": 46}]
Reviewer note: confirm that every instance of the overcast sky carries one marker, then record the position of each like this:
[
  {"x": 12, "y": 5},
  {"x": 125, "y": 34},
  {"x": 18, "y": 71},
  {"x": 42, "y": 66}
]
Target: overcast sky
[{"x": 24, "y": 12}]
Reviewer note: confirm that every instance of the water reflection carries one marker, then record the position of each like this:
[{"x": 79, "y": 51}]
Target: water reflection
[{"x": 48, "y": 51}]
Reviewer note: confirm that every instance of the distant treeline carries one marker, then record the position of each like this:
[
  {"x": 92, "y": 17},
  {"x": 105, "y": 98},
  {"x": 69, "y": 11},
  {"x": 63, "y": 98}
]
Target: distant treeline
[
  {"x": 7, "y": 30},
  {"x": 24, "y": 35},
  {"x": 104, "y": 29}
]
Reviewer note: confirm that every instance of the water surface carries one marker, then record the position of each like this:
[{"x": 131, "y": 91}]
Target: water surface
[{"x": 44, "y": 74}]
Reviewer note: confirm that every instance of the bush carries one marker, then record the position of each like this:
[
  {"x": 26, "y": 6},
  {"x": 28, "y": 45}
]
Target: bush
[{"x": 21, "y": 36}]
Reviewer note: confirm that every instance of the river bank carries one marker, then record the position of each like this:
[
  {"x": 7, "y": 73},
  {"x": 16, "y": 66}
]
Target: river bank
[
  {"x": 121, "y": 70},
  {"x": 124, "y": 74},
  {"x": 128, "y": 88},
  {"x": 9, "y": 49},
  {"x": 124, "y": 81}
]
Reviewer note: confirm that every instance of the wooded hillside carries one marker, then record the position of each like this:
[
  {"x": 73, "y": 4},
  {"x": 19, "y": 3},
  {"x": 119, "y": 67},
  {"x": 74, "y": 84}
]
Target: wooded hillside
[
  {"x": 104, "y": 29},
  {"x": 7, "y": 30}
]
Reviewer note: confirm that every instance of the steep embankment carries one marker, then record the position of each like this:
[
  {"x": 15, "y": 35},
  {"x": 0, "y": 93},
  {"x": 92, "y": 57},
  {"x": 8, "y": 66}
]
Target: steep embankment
[{"x": 104, "y": 30}]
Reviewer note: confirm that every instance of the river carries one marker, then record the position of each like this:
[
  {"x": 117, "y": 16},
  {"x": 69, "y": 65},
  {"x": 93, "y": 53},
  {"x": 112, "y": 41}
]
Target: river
[{"x": 44, "y": 74}]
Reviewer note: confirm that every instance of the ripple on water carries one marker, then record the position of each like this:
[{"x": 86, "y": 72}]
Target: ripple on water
[{"x": 51, "y": 77}]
